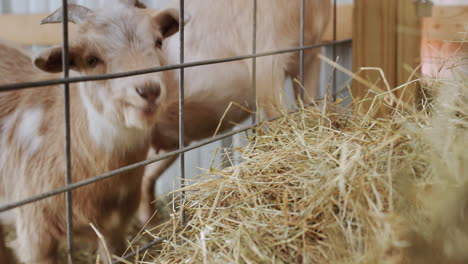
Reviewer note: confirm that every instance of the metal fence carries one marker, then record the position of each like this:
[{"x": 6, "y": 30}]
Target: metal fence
[{"x": 67, "y": 80}]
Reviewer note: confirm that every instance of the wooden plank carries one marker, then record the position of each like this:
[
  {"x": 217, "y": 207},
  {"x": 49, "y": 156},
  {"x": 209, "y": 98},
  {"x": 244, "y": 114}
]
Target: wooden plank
[
  {"x": 446, "y": 23},
  {"x": 408, "y": 51},
  {"x": 441, "y": 40},
  {"x": 25, "y": 28},
  {"x": 344, "y": 28},
  {"x": 390, "y": 36},
  {"x": 374, "y": 45}
]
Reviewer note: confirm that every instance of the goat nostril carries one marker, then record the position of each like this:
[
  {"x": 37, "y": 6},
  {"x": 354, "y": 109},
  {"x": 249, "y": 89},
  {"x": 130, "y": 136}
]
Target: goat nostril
[
  {"x": 141, "y": 92},
  {"x": 157, "y": 91},
  {"x": 150, "y": 92}
]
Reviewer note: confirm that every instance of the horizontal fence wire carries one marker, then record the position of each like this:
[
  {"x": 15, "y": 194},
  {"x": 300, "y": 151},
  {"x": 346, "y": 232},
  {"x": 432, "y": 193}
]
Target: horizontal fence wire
[
  {"x": 99, "y": 77},
  {"x": 109, "y": 174},
  {"x": 104, "y": 176}
]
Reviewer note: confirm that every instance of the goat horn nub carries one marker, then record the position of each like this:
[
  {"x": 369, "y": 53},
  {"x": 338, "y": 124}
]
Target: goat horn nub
[{"x": 76, "y": 14}]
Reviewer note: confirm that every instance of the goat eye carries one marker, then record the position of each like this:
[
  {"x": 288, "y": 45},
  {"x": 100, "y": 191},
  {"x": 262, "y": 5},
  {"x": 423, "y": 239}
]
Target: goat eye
[
  {"x": 92, "y": 61},
  {"x": 159, "y": 43}
]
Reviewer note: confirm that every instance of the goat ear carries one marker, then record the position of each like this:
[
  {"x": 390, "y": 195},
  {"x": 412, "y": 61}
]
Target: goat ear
[
  {"x": 50, "y": 60},
  {"x": 168, "y": 21}
]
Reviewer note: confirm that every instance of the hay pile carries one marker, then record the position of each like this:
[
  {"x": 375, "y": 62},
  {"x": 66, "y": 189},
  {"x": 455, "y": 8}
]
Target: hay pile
[{"x": 329, "y": 187}]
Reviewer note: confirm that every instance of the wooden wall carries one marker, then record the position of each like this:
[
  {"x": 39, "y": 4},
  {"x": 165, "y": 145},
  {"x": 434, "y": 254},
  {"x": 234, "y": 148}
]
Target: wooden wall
[{"x": 388, "y": 34}]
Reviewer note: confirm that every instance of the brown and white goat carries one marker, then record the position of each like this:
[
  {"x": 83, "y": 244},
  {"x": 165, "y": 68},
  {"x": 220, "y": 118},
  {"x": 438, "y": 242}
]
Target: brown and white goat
[
  {"x": 223, "y": 28},
  {"x": 111, "y": 123}
]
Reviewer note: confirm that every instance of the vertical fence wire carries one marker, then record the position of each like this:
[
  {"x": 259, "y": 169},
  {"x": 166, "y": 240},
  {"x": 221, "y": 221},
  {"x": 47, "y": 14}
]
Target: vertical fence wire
[
  {"x": 254, "y": 63},
  {"x": 301, "y": 52},
  {"x": 66, "y": 86},
  {"x": 181, "y": 110},
  {"x": 334, "y": 87}
]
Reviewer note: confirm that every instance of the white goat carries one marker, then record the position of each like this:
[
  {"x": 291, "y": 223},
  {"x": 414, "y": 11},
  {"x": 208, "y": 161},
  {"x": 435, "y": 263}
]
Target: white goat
[
  {"x": 223, "y": 28},
  {"x": 111, "y": 123}
]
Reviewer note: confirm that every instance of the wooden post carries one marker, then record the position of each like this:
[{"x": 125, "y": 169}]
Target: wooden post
[
  {"x": 408, "y": 51},
  {"x": 385, "y": 35}
]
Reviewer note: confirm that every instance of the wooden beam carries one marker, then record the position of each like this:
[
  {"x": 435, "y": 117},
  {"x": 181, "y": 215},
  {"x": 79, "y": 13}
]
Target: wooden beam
[
  {"x": 408, "y": 51},
  {"x": 374, "y": 45},
  {"x": 389, "y": 35},
  {"x": 442, "y": 44},
  {"x": 447, "y": 23},
  {"x": 25, "y": 28},
  {"x": 344, "y": 28}
]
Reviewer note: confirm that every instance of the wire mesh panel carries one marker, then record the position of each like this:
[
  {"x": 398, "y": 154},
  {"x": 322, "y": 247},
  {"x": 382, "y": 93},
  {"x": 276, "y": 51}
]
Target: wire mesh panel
[{"x": 180, "y": 67}]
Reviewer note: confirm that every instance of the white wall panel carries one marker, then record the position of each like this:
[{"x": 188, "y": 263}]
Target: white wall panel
[
  {"x": 450, "y": 2},
  {"x": 39, "y": 6},
  {"x": 19, "y": 6}
]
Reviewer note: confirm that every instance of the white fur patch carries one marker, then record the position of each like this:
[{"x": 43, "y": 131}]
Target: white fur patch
[
  {"x": 28, "y": 129},
  {"x": 107, "y": 134},
  {"x": 100, "y": 129}
]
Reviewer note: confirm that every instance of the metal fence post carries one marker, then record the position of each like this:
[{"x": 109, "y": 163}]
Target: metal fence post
[
  {"x": 301, "y": 51},
  {"x": 181, "y": 110},
  {"x": 254, "y": 63},
  {"x": 334, "y": 87},
  {"x": 66, "y": 86}
]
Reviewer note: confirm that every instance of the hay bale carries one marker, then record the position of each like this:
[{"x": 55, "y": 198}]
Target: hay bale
[
  {"x": 331, "y": 187},
  {"x": 439, "y": 232}
]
